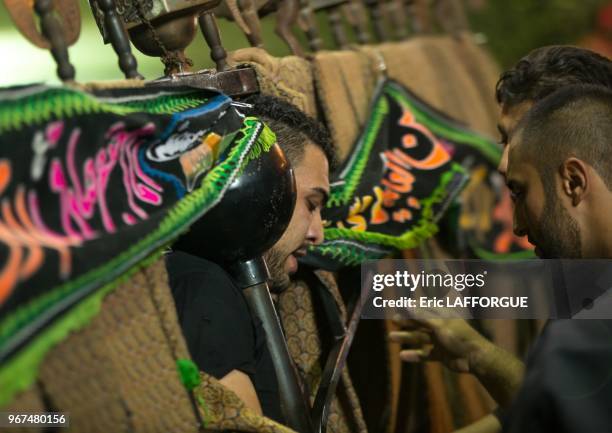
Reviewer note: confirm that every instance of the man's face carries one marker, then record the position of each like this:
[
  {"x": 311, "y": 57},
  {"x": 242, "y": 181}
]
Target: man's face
[
  {"x": 306, "y": 226},
  {"x": 539, "y": 213},
  {"x": 508, "y": 119}
]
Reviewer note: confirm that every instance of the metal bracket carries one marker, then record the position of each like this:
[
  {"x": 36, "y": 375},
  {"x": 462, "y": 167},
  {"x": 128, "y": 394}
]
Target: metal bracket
[{"x": 241, "y": 81}]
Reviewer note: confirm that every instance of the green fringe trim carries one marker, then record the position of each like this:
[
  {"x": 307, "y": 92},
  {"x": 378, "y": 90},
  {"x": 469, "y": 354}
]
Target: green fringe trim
[
  {"x": 20, "y": 371},
  {"x": 424, "y": 229},
  {"x": 343, "y": 194},
  {"x": 60, "y": 103},
  {"x": 264, "y": 143},
  {"x": 16, "y": 377},
  {"x": 189, "y": 373},
  {"x": 420, "y": 232},
  {"x": 347, "y": 254},
  {"x": 166, "y": 104},
  {"x": 440, "y": 128}
]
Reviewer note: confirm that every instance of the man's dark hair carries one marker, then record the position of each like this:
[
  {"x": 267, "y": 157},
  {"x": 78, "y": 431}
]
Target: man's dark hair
[
  {"x": 548, "y": 69},
  {"x": 574, "y": 121},
  {"x": 291, "y": 126}
]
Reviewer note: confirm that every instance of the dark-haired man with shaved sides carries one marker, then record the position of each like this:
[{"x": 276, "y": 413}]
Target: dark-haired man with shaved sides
[
  {"x": 560, "y": 175},
  {"x": 575, "y": 122}
]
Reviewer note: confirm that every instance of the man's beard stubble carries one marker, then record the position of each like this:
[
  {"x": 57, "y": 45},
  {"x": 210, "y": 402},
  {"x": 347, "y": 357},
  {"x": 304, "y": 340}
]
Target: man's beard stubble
[
  {"x": 279, "y": 279},
  {"x": 558, "y": 234}
]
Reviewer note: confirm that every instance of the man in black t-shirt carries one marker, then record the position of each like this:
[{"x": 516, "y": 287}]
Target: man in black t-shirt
[{"x": 224, "y": 339}]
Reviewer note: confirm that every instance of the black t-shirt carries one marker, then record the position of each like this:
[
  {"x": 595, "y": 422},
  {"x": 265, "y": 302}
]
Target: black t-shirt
[
  {"x": 220, "y": 331},
  {"x": 568, "y": 381}
]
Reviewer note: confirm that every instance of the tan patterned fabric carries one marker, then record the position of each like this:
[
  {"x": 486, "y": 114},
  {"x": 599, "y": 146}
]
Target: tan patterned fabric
[
  {"x": 221, "y": 410},
  {"x": 119, "y": 373},
  {"x": 297, "y": 314},
  {"x": 27, "y": 401},
  {"x": 289, "y": 78}
]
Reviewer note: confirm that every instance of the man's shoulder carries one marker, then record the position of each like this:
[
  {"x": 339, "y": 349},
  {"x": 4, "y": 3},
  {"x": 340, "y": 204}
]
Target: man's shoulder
[
  {"x": 574, "y": 357},
  {"x": 576, "y": 332},
  {"x": 191, "y": 273},
  {"x": 180, "y": 264},
  {"x": 574, "y": 337},
  {"x": 213, "y": 315}
]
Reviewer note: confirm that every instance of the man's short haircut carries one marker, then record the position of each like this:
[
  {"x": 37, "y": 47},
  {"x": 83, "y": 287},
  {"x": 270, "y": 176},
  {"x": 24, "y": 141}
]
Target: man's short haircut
[
  {"x": 548, "y": 69},
  {"x": 574, "y": 121},
  {"x": 292, "y": 127}
]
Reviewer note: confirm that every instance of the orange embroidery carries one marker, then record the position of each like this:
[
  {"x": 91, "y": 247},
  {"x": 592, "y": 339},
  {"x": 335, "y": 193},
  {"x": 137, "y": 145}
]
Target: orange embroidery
[
  {"x": 402, "y": 215},
  {"x": 389, "y": 197},
  {"x": 409, "y": 140},
  {"x": 413, "y": 202},
  {"x": 407, "y": 118},
  {"x": 379, "y": 215}
]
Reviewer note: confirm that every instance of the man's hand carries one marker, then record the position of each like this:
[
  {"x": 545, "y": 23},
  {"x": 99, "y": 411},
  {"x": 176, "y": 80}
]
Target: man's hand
[
  {"x": 451, "y": 341},
  {"x": 461, "y": 348}
]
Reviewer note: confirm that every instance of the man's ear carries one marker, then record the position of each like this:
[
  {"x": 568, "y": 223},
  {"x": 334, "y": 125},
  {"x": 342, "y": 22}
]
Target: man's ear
[{"x": 574, "y": 179}]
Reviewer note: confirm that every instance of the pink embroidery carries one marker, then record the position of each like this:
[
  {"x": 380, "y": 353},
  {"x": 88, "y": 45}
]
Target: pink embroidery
[
  {"x": 54, "y": 132},
  {"x": 128, "y": 218},
  {"x": 82, "y": 195}
]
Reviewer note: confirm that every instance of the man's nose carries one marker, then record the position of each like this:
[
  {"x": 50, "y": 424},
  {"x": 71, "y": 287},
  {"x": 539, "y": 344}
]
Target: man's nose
[
  {"x": 315, "y": 231},
  {"x": 502, "y": 167},
  {"x": 518, "y": 227}
]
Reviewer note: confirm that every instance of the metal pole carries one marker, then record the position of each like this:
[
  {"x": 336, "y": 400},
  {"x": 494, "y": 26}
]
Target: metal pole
[{"x": 251, "y": 277}]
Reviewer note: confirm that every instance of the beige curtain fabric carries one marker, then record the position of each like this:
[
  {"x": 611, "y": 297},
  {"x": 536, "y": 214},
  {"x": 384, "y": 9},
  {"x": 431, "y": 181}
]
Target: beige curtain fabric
[{"x": 345, "y": 82}]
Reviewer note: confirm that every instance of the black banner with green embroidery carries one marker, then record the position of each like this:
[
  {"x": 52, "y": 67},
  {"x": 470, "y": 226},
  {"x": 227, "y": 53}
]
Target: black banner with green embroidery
[
  {"x": 93, "y": 184},
  {"x": 394, "y": 187}
]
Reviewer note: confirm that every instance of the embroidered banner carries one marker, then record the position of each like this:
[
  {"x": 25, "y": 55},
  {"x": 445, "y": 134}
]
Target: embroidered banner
[
  {"x": 394, "y": 187},
  {"x": 91, "y": 185}
]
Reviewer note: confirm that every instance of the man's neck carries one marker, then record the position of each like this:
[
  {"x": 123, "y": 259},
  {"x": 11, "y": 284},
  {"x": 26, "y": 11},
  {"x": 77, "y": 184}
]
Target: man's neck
[{"x": 604, "y": 223}]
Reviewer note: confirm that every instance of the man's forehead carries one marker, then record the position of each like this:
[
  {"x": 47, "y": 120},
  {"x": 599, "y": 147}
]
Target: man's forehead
[
  {"x": 510, "y": 116},
  {"x": 314, "y": 169},
  {"x": 516, "y": 152},
  {"x": 520, "y": 165}
]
